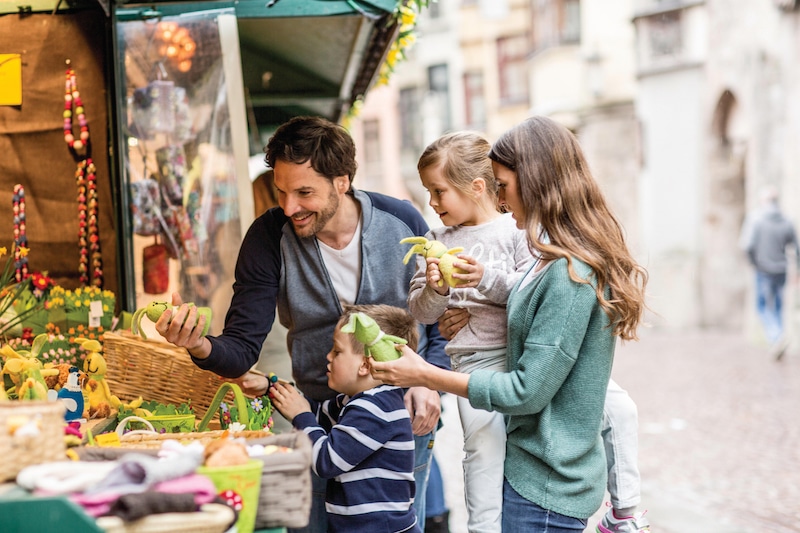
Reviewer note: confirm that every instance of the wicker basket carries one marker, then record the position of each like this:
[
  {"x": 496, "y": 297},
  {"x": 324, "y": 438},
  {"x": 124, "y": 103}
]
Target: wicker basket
[
  {"x": 212, "y": 518},
  {"x": 20, "y": 449},
  {"x": 156, "y": 371},
  {"x": 154, "y": 441},
  {"x": 285, "y": 499}
]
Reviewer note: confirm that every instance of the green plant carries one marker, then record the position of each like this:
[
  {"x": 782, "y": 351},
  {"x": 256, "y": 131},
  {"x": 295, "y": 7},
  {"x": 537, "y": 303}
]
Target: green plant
[{"x": 259, "y": 414}]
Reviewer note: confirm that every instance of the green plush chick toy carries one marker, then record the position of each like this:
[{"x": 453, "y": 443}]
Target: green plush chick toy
[
  {"x": 437, "y": 249},
  {"x": 377, "y": 344},
  {"x": 154, "y": 310}
]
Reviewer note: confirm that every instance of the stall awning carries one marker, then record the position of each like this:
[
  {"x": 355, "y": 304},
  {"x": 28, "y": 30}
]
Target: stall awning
[{"x": 298, "y": 56}]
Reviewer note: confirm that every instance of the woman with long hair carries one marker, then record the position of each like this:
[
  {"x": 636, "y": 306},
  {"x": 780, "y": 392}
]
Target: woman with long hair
[{"x": 564, "y": 316}]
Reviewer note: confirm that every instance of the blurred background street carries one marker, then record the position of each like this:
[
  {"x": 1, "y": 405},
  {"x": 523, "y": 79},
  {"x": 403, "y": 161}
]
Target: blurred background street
[{"x": 718, "y": 434}]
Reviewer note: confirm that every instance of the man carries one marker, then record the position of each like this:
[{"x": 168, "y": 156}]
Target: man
[
  {"x": 326, "y": 245},
  {"x": 765, "y": 239}
]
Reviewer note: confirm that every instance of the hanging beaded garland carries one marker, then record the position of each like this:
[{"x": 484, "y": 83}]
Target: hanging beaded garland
[
  {"x": 20, "y": 237},
  {"x": 73, "y": 105},
  {"x": 88, "y": 234},
  {"x": 86, "y": 179}
]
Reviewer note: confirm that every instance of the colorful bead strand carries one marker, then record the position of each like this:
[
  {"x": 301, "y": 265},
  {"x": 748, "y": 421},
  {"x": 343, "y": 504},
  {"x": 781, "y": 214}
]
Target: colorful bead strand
[
  {"x": 88, "y": 232},
  {"x": 20, "y": 236},
  {"x": 73, "y": 105}
]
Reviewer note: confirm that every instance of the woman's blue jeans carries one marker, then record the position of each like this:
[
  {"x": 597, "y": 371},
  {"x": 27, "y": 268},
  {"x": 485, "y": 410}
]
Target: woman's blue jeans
[{"x": 520, "y": 514}]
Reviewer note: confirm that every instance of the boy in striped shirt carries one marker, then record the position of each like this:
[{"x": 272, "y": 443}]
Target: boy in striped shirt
[{"x": 362, "y": 438}]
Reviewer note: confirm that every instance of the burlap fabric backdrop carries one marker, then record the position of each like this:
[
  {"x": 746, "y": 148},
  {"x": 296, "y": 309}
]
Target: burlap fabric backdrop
[{"x": 32, "y": 148}]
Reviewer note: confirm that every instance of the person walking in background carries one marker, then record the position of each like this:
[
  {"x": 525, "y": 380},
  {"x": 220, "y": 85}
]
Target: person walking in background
[
  {"x": 583, "y": 292},
  {"x": 304, "y": 258},
  {"x": 362, "y": 439},
  {"x": 766, "y": 237}
]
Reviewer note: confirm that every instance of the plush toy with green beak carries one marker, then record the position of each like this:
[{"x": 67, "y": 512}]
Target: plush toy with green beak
[
  {"x": 437, "y": 249},
  {"x": 377, "y": 344}
]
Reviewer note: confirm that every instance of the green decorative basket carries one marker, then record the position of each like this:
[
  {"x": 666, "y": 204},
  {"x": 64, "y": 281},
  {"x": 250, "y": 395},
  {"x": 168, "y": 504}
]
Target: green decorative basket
[{"x": 170, "y": 423}]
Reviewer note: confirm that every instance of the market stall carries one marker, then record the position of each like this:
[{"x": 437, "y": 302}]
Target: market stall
[{"x": 126, "y": 131}]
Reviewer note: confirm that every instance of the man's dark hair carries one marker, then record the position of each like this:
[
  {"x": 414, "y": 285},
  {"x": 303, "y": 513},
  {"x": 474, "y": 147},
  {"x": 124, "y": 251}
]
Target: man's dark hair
[{"x": 328, "y": 146}]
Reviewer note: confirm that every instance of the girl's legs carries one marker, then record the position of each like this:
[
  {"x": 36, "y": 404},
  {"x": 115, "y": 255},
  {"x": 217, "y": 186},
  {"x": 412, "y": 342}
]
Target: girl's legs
[
  {"x": 484, "y": 452},
  {"x": 620, "y": 433},
  {"x": 520, "y": 514}
]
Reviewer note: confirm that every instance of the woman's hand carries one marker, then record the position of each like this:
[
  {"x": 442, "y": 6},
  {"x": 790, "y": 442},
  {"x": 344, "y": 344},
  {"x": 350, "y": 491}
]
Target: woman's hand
[
  {"x": 451, "y": 322},
  {"x": 288, "y": 400},
  {"x": 408, "y": 370}
]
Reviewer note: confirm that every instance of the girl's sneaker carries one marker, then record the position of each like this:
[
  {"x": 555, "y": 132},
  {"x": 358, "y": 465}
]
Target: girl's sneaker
[{"x": 629, "y": 524}]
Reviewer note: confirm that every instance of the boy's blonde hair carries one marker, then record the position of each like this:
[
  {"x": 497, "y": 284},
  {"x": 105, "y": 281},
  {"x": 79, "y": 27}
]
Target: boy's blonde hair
[{"x": 392, "y": 321}]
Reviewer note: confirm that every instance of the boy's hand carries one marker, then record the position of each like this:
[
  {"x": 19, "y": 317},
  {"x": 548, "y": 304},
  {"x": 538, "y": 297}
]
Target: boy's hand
[{"x": 288, "y": 400}]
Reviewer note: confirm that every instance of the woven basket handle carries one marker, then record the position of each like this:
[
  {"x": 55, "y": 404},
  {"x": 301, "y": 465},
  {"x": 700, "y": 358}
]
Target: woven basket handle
[
  {"x": 124, "y": 423},
  {"x": 238, "y": 397}
]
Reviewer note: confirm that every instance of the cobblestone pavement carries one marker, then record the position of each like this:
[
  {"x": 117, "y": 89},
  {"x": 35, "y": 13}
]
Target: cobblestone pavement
[{"x": 719, "y": 435}]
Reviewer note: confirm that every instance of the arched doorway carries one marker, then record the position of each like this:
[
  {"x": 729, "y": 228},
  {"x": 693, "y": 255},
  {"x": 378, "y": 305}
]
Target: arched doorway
[{"x": 723, "y": 286}]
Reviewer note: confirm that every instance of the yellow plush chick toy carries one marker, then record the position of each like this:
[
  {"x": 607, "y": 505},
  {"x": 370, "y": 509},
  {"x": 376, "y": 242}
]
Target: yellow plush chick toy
[
  {"x": 99, "y": 401},
  {"x": 437, "y": 249}
]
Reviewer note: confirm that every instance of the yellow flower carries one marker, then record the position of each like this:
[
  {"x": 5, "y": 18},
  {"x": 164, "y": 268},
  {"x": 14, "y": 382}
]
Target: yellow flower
[
  {"x": 407, "y": 15},
  {"x": 23, "y": 252},
  {"x": 3, "y": 251}
]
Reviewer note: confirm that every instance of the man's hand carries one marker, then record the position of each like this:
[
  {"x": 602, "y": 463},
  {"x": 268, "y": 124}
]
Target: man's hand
[
  {"x": 425, "y": 408},
  {"x": 252, "y": 383},
  {"x": 183, "y": 328}
]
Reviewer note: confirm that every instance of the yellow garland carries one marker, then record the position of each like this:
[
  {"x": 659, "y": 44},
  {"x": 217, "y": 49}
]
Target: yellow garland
[{"x": 406, "y": 17}]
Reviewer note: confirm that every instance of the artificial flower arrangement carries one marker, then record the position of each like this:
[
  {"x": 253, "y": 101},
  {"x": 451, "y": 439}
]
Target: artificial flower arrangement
[
  {"x": 259, "y": 415},
  {"x": 70, "y": 309},
  {"x": 59, "y": 348}
]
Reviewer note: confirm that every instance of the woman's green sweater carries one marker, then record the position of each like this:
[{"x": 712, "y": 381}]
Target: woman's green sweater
[{"x": 560, "y": 351}]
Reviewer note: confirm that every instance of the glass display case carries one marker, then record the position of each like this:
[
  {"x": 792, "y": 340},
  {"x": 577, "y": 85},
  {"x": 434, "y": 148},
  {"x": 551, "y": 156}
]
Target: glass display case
[{"x": 179, "y": 162}]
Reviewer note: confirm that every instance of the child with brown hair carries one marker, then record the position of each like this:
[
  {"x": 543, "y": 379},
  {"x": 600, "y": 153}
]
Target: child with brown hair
[{"x": 362, "y": 438}]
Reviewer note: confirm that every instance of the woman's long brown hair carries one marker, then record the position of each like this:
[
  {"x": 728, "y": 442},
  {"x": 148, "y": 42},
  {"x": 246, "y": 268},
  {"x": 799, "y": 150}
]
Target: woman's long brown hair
[{"x": 567, "y": 215}]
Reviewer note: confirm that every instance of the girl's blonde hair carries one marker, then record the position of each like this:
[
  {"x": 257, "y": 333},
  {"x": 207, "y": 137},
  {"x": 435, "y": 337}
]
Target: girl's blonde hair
[
  {"x": 567, "y": 215},
  {"x": 463, "y": 158}
]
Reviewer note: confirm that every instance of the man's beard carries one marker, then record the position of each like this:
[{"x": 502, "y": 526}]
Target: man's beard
[{"x": 321, "y": 218}]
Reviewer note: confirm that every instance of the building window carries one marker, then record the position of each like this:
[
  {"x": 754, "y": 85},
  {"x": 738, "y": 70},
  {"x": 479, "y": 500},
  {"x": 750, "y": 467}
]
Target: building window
[
  {"x": 439, "y": 85},
  {"x": 410, "y": 128},
  {"x": 512, "y": 67},
  {"x": 665, "y": 34},
  {"x": 475, "y": 101},
  {"x": 372, "y": 144},
  {"x": 556, "y": 23}
]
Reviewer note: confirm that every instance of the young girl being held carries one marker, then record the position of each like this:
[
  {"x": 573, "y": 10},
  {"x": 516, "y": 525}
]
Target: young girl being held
[{"x": 458, "y": 175}]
